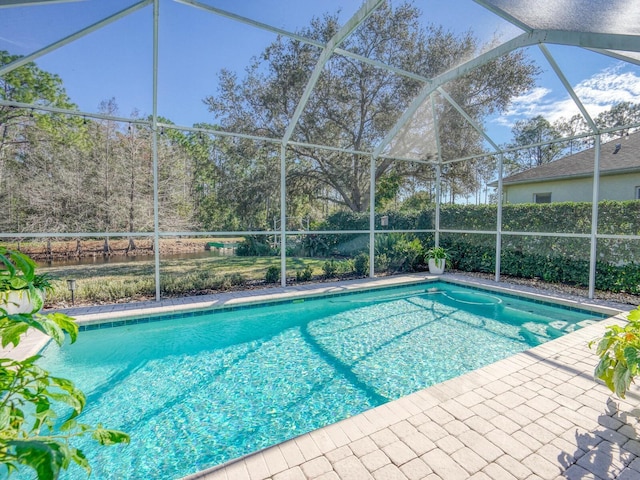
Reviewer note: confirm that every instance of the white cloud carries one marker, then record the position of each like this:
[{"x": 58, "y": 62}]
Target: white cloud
[
  {"x": 524, "y": 106},
  {"x": 597, "y": 93}
]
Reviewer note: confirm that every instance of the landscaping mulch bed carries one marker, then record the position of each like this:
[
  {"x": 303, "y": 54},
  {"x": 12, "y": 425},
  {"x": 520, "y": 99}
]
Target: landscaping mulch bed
[{"x": 559, "y": 288}]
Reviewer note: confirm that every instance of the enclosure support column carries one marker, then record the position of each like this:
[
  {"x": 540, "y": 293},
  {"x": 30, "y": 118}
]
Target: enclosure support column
[
  {"x": 372, "y": 216},
  {"x": 283, "y": 216},
  {"x": 438, "y": 170},
  {"x": 499, "y": 216},
  {"x": 154, "y": 149},
  {"x": 594, "y": 219},
  {"x": 438, "y": 193}
]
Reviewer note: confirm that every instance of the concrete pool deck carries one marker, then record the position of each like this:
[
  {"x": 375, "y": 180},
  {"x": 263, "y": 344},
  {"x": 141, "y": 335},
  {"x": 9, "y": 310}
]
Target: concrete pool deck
[{"x": 536, "y": 415}]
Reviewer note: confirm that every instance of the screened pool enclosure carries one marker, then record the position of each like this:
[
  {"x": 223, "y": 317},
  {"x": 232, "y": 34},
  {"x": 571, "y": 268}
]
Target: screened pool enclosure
[{"x": 295, "y": 138}]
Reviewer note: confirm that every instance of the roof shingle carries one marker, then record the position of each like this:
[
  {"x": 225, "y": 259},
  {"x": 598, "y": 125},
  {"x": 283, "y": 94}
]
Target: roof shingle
[{"x": 627, "y": 159}]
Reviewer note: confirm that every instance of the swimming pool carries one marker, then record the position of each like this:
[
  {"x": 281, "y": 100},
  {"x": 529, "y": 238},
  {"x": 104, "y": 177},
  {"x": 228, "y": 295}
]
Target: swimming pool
[{"x": 197, "y": 391}]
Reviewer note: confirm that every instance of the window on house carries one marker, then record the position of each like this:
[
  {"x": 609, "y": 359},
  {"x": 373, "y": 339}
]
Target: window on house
[
  {"x": 637, "y": 193},
  {"x": 542, "y": 197}
]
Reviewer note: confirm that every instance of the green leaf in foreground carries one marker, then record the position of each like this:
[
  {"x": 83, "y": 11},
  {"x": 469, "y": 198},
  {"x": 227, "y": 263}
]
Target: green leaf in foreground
[
  {"x": 619, "y": 352},
  {"x": 33, "y": 432}
]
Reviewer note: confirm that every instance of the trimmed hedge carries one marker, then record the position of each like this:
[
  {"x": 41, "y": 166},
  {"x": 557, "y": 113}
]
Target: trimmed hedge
[{"x": 552, "y": 259}]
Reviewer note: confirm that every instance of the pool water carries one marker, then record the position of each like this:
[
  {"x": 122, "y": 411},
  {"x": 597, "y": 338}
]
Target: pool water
[{"x": 198, "y": 391}]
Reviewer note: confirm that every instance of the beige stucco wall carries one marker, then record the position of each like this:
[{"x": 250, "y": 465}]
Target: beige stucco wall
[{"x": 612, "y": 187}]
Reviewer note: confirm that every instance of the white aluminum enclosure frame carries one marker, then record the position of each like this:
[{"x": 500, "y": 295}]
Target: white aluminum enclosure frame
[{"x": 620, "y": 46}]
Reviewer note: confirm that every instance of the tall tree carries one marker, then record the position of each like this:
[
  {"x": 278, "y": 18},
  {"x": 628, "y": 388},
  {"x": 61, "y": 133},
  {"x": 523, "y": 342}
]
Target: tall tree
[
  {"x": 540, "y": 142},
  {"x": 355, "y": 104},
  {"x": 26, "y": 84},
  {"x": 45, "y": 166},
  {"x": 576, "y": 125},
  {"x": 176, "y": 199},
  {"x": 240, "y": 188},
  {"x": 134, "y": 150},
  {"x": 107, "y": 183},
  {"x": 619, "y": 115}
]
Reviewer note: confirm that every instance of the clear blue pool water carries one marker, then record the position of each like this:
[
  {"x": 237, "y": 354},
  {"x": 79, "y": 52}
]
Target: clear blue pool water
[{"x": 198, "y": 391}]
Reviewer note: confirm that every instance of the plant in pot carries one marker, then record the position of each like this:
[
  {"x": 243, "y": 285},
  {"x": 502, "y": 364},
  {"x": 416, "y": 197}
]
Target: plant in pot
[
  {"x": 22, "y": 290},
  {"x": 619, "y": 352},
  {"x": 38, "y": 411},
  {"x": 437, "y": 258}
]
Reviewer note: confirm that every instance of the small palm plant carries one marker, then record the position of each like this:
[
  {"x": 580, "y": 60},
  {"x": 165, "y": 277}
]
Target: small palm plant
[{"x": 619, "y": 352}]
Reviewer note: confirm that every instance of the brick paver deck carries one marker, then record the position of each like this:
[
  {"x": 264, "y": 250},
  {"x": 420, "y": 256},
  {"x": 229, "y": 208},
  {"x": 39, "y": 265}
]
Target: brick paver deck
[{"x": 535, "y": 415}]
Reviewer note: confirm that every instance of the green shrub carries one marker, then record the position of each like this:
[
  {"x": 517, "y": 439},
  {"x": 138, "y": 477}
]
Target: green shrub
[
  {"x": 468, "y": 217},
  {"x": 228, "y": 281},
  {"x": 553, "y": 259},
  {"x": 402, "y": 252},
  {"x": 304, "y": 275},
  {"x": 344, "y": 267},
  {"x": 385, "y": 243},
  {"x": 381, "y": 263},
  {"x": 255, "y": 246},
  {"x": 316, "y": 245},
  {"x": 330, "y": 268},
  {"x": 361, "y": 264},
  {"x": 273, "y": 274},
  {"x": 408, "y": 254}
]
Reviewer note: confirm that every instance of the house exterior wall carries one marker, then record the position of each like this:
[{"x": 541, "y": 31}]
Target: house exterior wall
[{"x": 612, "y": 187}]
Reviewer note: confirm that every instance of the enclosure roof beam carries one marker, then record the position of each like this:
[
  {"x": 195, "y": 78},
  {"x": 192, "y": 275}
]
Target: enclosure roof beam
[
  {"x": 523, "y": 40},
  {"x": 568, "y": 88},
  {"x": 219, "y": 133},
  {"x": 249, "y": 21},
  {"x": 381, "y": 65},
  {"x": 360, "y": 16},
  {"x": 330, "y": 149},
  {"x": 597, "y": 40},
  {"x": 561, "y": 139},
  {"x": 471, "y": 121},
  {"x": 409, "y": 160},
  {"x": 300, "y": 38},
  {"x": 29, "y": 3},
  {"x": 505, "y": 15},
  {"x": 603, "y": 41},
  {"x": 214, "y": 233},
  {"x": 70, "y": 38},
  {"x": 76, "y": 113},
  {"x": 617, "y": 55}
]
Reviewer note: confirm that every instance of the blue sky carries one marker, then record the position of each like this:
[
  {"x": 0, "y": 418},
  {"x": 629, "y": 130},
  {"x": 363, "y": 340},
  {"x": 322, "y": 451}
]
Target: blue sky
[{"x": 115, "y": 61}]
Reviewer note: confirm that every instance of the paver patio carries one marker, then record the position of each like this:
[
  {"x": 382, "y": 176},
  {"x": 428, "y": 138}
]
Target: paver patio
[{"x": 535, "y": 415}]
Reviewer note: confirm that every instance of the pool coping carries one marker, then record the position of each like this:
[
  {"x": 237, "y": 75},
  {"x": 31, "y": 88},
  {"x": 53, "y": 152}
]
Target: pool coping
[{"x": 34, "y": 341}]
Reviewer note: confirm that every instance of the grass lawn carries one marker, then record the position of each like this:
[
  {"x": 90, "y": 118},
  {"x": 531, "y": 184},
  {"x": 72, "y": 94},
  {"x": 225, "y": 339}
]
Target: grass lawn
[{"x": 126, "y": 281}]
